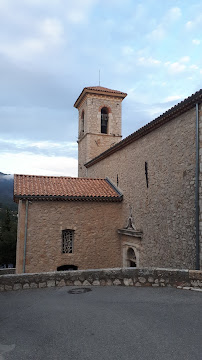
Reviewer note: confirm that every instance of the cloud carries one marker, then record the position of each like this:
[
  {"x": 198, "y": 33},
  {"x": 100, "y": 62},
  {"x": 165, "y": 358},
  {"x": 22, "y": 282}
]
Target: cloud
[
  {"x": 79, "y": 11},
  {"x": 189, "y": 25},
  {"x": 172, "y": 98},
  {"x": 194, "y": 23},
  {"x": 24, "y": 86},
  {"x": 157, "y": 34},
  {"x": 184, "y": 59},
  {"x": 148, "y": 61},
  {"x": 39, "y": 3},
  {"x": 127, "y": 50},
  {"x": 22, "y": 163},
  {"x": 194, "y": 67},
  {"x": 138, "y": 111},
  {"x": 23, "y": 50},
  {"x": 49, "y": 33},
  {"x": 51, "y": 30},
  {"x": 173, "y": 14},
  {"x": 168, "y": 19},
  {"x": 47, "y": 124},
  {"x": 196, "y": 41},
  {"x": 51, "y": 49},
  {"x": 178, "y": 66},
  {"x": 48, "y": 148},
  {"x": 181, "y": 66},
  {"x": 76, "y": 16}
]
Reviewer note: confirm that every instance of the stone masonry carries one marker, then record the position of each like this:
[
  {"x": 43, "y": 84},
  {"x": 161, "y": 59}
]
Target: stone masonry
[
  {"x": 92, "y": 142},
  {"x": 182, "y": 279},
  {"x": 96, "y": 241},
  {"x": 165, "y": 210}
]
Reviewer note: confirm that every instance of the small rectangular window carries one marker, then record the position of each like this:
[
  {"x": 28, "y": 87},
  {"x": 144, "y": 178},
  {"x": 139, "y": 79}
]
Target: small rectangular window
[{"x": 67, "y": 241}]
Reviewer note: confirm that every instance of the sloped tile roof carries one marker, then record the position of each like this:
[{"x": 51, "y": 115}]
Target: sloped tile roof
[
  {"x": 64, "y": 188},
  {"x": 98, "y": 90},
  {"x": 170, "y": 114},
  {"x": 101, "y": 88}
]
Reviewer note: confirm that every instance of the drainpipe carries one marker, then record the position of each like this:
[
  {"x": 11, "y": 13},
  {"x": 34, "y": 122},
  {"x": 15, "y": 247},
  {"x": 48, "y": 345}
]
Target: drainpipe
[
  {"x": 197, "y": 190},
  {"x": 25, "y": 237}
]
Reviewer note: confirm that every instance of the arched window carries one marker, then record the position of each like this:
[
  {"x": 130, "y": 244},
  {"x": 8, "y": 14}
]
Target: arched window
[
  {"x": 82, "y": 122},
  {"x": 104, "y": 120},
  {"x": 131, "y": 257},
  {"x": 67, "y": 267}
]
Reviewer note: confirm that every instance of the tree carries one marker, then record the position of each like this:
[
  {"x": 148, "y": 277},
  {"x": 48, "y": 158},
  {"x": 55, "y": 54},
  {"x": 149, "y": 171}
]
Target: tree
[
  {"x": 6, "y": 225},
  {"x": 8, "y": 236}
]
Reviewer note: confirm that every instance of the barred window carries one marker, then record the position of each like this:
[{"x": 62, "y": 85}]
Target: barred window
[{"x": 67, "y": 241}]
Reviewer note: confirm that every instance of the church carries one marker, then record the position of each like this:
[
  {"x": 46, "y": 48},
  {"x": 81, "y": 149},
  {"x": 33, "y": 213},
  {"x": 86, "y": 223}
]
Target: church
[{"x": 136, "y": 202}]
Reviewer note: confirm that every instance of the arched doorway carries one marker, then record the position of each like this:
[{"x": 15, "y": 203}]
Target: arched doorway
[{"x": 131, "y": 257}]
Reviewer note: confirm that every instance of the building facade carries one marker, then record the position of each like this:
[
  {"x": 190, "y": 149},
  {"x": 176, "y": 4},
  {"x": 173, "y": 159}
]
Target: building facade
[
  {"x": 158, "y": 170},
  {"x": 152, "y": 219},
  {"x": 66, "y": 223}
]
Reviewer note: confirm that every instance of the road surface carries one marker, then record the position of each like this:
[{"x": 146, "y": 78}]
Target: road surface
[{"x": 106, "y": 323}]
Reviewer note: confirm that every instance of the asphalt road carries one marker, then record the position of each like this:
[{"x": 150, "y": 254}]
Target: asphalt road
[{"x": 105, "y": 323}]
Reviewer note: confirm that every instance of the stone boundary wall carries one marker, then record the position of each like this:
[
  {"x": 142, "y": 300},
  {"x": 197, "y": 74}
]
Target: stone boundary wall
[
  {"x": 6, "y": 271},
  {"x": 105, "y": 277}
]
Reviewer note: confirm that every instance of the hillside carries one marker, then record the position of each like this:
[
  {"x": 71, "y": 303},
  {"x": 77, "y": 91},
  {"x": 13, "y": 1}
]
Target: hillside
[{"x": 6, "y": 191}]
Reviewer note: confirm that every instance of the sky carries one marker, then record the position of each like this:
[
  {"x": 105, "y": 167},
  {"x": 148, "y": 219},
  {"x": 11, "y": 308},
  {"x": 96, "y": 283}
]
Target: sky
[{"x": 51, "y": 49}]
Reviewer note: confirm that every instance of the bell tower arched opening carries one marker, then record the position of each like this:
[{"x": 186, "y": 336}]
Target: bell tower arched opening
[
  {"x": 104, "y": 120},
  {"x": 82, "y": 123}
]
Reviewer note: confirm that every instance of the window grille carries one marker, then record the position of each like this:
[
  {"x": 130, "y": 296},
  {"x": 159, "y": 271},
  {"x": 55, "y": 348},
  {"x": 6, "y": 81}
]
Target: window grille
[{"x": 67, "y": 241}]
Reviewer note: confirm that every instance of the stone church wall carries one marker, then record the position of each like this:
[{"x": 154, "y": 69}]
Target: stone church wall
[
  {"x": 165, "y": 211},
  {"x": 96, "y": 241},
  {"x": 91, "y": 146}
]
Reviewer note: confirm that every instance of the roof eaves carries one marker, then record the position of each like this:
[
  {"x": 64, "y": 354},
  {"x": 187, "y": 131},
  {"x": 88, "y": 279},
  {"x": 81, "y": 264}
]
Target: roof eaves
[
  {"x": 67, "y": 198},
  {"x": 89, "y": 90}
]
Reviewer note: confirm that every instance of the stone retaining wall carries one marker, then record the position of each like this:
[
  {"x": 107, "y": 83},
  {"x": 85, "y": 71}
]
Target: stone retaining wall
[{"x": 105, "y": 277}]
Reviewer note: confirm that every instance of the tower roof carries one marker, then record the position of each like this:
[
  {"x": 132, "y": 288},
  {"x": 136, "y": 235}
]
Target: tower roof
[{"x": 99, "y": 90}]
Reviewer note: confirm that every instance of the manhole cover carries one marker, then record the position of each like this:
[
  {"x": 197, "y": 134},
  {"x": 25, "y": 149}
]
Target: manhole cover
[{"x": 79, "y": 290}]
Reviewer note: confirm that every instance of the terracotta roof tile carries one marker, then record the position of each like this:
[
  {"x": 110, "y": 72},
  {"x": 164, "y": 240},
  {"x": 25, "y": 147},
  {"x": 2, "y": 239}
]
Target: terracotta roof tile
[
  {"x": 101, "y": 88},
  {"x": 64, "y": 188}
]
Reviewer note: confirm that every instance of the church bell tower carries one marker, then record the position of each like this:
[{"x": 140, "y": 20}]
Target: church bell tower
[{"x": 99, "y": 122}]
